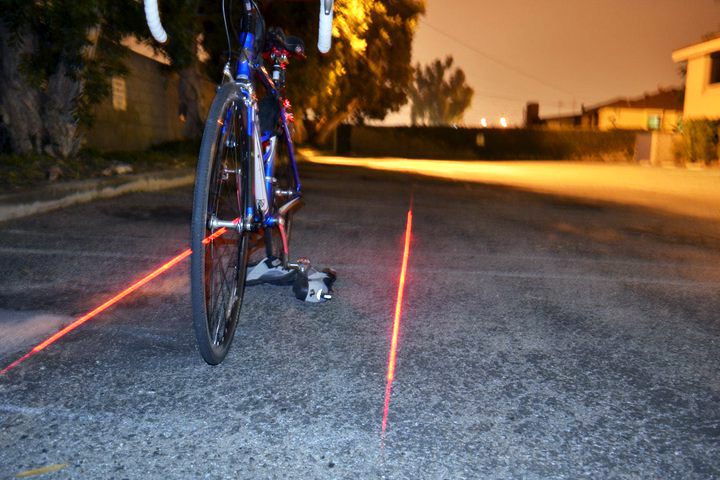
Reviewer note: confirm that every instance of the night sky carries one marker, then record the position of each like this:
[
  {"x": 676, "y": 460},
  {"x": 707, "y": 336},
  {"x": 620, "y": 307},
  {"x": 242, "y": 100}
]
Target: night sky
[{"x": 559, "y": 52}]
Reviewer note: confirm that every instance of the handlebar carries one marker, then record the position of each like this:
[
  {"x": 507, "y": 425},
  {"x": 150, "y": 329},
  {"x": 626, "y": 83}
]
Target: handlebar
[
  {"x": 325, "y": 31},
  {"x": 153, "y": 20}
]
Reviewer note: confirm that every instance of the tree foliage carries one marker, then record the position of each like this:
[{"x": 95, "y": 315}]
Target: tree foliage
[
  {"x": 185, "y": 22},
  {"x": 439, "y": 96},
  {"x": 366, "y": 73},
  {"x": 57, "y": 58},
  {"x": 699, "y": 141}
]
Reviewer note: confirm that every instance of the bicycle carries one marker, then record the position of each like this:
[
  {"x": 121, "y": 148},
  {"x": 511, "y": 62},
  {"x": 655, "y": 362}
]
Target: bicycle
[{"x": 247, "y": 185}]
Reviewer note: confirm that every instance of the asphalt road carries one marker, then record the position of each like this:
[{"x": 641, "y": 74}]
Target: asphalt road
[{"x": 542, "y": 337}]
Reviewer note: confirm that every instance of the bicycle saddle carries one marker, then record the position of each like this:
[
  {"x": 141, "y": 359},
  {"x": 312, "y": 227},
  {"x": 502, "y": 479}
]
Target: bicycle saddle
[
  {"x": 277, "y": 39},
  {"x": 295, "y": 45}
]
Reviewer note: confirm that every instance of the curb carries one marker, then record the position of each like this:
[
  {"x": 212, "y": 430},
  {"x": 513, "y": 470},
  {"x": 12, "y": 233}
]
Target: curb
[{"x": 62, "y": 195}]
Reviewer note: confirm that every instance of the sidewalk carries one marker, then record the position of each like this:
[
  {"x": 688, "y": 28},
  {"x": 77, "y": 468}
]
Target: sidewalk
[{"x": 64, "y": 194}]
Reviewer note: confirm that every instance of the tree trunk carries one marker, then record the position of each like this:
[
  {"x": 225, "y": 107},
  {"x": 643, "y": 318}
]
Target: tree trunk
[
  {"x": 62, "y": 135},
  {"x": 326, "y": 127},
  {"x": 189, "y": 102},
  {"x": 32, "y": 120},
  {"x": 20, "y": 120}
]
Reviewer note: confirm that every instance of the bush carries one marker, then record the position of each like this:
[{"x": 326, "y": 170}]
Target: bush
[
  {"x": 33, "y": 170},
  {"x": 700, "y": 141},
  {"x": 487, "y": 144}
]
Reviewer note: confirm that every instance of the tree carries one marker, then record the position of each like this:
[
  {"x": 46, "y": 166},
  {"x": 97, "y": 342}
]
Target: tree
[
  {"x": 366, "y": 73},
  {"x": 57, "y": 57},
  {"x": 186, "y": 22},
  {"x": 439, "y": 96}
]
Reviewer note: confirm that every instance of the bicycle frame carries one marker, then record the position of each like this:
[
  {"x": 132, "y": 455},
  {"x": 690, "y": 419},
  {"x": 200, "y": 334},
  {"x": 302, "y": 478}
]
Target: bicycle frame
[
  {"x": 257, "y": 213},
  {"x": 261, "y": 181}
]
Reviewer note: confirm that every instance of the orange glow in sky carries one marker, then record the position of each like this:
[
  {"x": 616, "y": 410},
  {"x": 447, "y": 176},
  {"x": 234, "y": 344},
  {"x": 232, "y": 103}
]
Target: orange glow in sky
[{"x": 562, "y": 54}]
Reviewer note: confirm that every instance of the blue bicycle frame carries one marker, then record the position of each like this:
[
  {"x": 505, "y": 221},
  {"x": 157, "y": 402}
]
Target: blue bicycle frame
[{"x": 246, "y": 70}]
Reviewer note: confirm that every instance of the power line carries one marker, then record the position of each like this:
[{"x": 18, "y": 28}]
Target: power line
[
  {"x": 498, "y": 61},
  {"x": 499, "y": 97}
]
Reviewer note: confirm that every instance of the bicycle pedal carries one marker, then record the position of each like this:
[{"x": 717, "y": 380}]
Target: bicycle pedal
[
  {"x": 313, "y": 286},
  {"x": 302, "y": 265}
]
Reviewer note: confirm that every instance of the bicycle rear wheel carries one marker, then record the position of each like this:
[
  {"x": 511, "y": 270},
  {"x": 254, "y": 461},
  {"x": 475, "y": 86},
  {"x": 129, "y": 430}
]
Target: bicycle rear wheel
[{"x": 218, "y": 265}]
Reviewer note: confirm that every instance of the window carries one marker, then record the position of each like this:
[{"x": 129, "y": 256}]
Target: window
[
  {"x": 119, "y": 96},
  {"x": 715, "y": 67},
  {"x": 654, "y": 122}
]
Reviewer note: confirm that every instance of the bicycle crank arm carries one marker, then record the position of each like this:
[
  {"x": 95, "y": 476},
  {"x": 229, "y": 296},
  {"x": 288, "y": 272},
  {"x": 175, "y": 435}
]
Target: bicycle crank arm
[
  {"x": 302, "y": 265},
  {"x": 296, "y": 202}
]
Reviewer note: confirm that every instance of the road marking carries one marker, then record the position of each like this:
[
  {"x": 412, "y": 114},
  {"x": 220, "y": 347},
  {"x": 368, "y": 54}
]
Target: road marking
[
  {"x": 75, "y": 236},
  {"x": 135, "y": 286},
  {"x": 181, "y": 422},
  {"x": 396, "y": 321},
  {"x": 595, "y": 261},
  {"x": 72, "y": 253},
  {"x": 678, "y": 282},
  {"x": 573, "y": 277},
  {"x": 40, "y": 471},
  {"x": 18, "y": 329},
  {"x": 564, "y": 259}
]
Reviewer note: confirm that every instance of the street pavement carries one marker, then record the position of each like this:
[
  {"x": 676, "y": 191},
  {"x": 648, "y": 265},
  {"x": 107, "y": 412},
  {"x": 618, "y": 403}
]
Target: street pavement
[{"x": 542, "y": 336}]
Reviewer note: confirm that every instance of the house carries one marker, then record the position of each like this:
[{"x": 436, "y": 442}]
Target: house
[
  {"x": 702, "y": 80},
  {"x": 661, "y": 110}
]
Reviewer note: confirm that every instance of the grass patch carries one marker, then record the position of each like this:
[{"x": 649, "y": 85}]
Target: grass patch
[{"x": 18, "y": 172}]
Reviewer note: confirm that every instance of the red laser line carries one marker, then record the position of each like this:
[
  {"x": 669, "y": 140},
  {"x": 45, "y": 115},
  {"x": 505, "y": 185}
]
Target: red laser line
[
  {"x": 135, "y": 286},
  {"x": 396, "y": 320}
]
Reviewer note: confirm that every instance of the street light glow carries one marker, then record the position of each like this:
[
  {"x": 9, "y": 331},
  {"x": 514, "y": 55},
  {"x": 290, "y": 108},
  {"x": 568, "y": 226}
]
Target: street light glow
[
  {"x": 483, "y": 122},
  {"x": 503, "y": 122}
]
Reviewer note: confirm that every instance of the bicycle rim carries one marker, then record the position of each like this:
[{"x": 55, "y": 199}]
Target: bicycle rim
[{"x": 219, "y": 266}]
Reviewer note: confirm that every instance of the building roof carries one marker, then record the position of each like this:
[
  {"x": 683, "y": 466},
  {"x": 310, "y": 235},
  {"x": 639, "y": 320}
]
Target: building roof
[
  {"x": 700, "y": 49},
  {"x": 666, "y": 99},
  {"x": 570, "y": 117}
]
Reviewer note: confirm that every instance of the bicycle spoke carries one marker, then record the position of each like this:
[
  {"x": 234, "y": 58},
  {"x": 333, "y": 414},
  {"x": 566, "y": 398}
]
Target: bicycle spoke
[
  {"x": 221, "y": 297},
  {"x": 218, "y": 274},
  {"x": 223, "y": 293}
]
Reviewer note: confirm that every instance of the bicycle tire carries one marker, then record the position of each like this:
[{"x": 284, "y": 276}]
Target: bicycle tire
[{"x": 218, "y": 267}]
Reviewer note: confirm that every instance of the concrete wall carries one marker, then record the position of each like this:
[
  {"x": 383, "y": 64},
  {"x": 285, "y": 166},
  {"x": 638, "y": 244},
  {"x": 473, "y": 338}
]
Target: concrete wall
[{"x": 151, "y": 109}]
